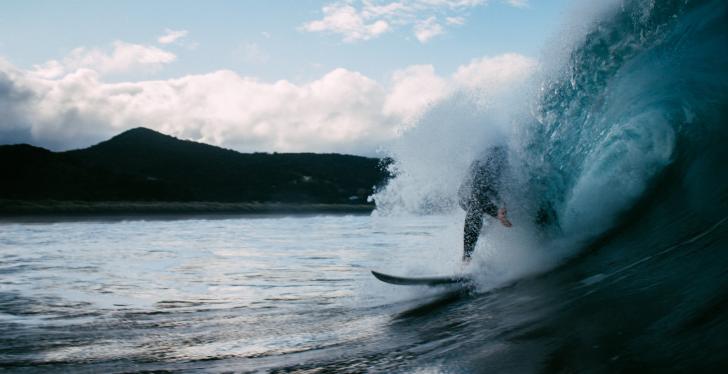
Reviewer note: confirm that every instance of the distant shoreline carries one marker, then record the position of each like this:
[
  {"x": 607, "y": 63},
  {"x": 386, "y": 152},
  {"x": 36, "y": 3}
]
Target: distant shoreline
[{"x": 51, "y": 210}]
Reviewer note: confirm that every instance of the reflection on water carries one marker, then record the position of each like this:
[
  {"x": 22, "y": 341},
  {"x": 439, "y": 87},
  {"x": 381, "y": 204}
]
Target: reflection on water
[
  {"x": 118, "y": 295},
  {"x": 296, "y": 295}
]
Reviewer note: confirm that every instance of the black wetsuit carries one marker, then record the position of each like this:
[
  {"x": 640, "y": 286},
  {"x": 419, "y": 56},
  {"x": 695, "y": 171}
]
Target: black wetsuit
[{"x": 479, "y": 194}]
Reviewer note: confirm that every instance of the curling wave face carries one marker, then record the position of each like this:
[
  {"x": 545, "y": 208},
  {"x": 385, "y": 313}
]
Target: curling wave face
[
  {"x": 645, "y": 91},
  {"x": 626, "y": 143},
  {"x": 639, "y": 98}
]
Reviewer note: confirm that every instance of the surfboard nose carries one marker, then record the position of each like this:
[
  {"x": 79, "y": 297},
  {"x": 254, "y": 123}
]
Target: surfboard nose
[{"x": 423, "y": 281}]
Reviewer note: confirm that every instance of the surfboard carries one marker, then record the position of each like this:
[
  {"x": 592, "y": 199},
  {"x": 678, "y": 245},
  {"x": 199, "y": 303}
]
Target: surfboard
[{"x": 423, "y": 281}]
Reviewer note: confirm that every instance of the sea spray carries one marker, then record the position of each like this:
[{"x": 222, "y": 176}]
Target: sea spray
[
  {"x": 432, "y": 157},
  {"x": 431, "y": 160},
  {"x": 606, "y": 114}
]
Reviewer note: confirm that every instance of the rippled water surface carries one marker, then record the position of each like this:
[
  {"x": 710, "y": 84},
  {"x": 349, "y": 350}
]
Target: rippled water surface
[
  {"x": 249, "y": 292},
  {"x": 294, "y": 294}
]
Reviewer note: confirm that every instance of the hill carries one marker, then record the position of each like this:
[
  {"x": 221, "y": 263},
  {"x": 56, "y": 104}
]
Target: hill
[{"x": 144, "y": 165}]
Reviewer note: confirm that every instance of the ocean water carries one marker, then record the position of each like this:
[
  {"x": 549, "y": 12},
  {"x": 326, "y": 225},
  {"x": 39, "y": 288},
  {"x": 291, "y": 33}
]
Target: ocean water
[
  {"x": 619, "y": 134},
  {"x": 294, "y": 294},
  {"x": 213, "y": 294}
]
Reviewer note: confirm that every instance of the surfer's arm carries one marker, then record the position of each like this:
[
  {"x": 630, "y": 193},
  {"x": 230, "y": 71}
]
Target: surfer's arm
[
  {"x": 500, "y": 214},
  {"x": 502, "y": 217},
  {"x": 490, "y": 208}
]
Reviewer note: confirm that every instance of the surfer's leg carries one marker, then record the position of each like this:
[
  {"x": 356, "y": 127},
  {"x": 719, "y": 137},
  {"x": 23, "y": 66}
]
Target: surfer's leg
[{"x": 473, "y": 224}]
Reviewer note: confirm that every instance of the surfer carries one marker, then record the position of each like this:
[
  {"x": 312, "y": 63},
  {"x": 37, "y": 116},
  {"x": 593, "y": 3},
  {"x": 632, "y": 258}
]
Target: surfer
[{"x": 478, "y": 195}]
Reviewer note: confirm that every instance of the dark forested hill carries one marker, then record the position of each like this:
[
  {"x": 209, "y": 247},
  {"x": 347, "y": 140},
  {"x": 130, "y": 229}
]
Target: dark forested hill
[{"x": 144, "y": 165}]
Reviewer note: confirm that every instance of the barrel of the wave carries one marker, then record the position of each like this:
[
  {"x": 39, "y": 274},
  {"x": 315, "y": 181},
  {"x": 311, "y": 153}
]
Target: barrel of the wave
[
  {"x": 643, "y": 98},
  {"x": 630, "y": 141}
]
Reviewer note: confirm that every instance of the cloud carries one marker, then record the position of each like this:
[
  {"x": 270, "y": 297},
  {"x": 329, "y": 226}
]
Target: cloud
[
  {"x": 171, "y": 36},
  {"x": 428, "y": 29},
  {"x": 494, "y": 71},
  {"x": 346, "y": 20},
  {"x": 124, "y": 57},
  {"x": 252, "y": 53},
  {"x": 518, "y": 3},
  {"x": 368, "y": 19},
  {"x": 413, "y": 89},
  {"x": 457, "y": 21},
  {"x": 341, "y": 111}
]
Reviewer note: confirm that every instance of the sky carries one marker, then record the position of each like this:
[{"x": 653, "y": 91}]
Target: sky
[{"x": 287, "y": 76}]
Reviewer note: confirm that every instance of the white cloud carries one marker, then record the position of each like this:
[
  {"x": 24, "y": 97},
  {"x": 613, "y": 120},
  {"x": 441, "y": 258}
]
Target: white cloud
[
  {"x": 49, "y": 70},
  {"x": 427, "y": 29},
  {"x": 346, "y": 20},
  {"x": 171, "y": 36},
  {"x": 342, "y": 111},
  {"x": 494, "y": 71},
  {"x": 413, "y": 90},
  {"x": 252, "y": 53},
  {"x": 368, "y": 19},
  {"x": 124, "y": 57},
  {"x": 457, "y": 21},
  {"x": 518, "y": 3}
]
